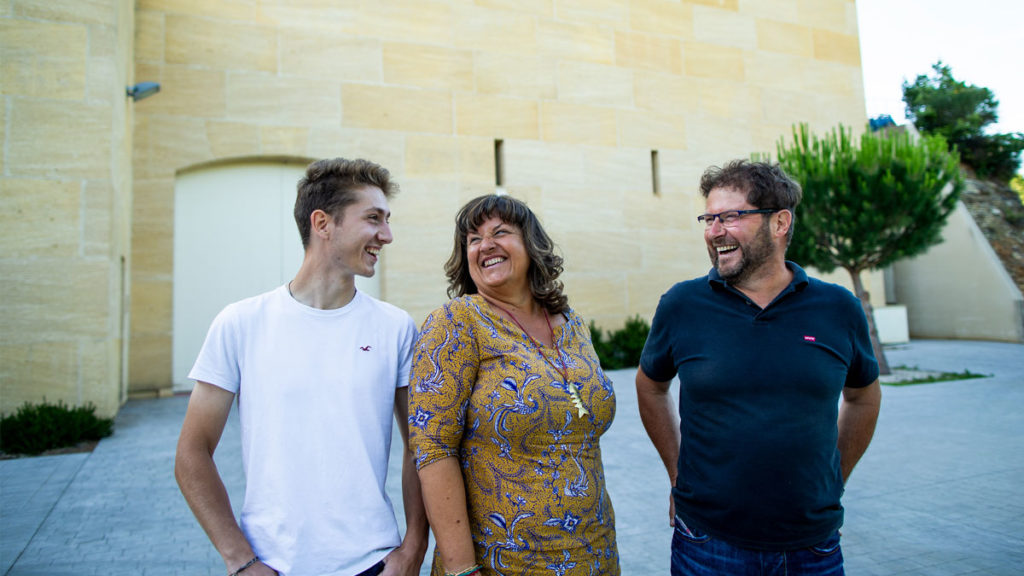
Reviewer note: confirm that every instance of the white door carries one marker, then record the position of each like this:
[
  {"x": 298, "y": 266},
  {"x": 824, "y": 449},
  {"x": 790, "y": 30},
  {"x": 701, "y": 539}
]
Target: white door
[{"x": 234, "y": 237}]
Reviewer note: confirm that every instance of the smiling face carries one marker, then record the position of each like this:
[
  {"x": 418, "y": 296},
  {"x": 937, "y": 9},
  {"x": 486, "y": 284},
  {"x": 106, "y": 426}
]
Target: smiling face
[
  {"x": 357, "y": 236},
  {"x": 497, "y": 258},
  {"x": 739, "y": 251}
]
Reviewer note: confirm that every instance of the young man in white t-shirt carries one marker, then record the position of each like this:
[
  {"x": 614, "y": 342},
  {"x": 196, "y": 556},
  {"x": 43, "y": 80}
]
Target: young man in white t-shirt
[{"x": 318, "y": 369}]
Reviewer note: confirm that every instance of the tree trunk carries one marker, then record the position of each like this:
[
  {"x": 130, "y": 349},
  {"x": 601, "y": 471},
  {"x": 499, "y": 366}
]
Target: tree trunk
[{"x": 865, "y": 302}]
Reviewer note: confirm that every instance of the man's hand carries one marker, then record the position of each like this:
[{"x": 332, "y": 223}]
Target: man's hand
[
  {"x": 671, "y": 509},
  {"x": 402, "y": 562}
]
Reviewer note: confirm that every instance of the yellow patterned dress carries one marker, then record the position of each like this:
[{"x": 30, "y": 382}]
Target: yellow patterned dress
[{"x": 482, "y": 392}]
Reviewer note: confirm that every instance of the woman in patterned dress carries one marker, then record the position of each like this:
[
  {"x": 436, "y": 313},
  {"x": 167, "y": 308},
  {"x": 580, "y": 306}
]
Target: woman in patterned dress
[{"x": 507, "y": 405}]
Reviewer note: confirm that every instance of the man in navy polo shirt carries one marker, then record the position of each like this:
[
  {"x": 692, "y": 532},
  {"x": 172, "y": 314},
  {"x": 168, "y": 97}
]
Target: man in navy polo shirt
[{"x": 761, "y": 447}]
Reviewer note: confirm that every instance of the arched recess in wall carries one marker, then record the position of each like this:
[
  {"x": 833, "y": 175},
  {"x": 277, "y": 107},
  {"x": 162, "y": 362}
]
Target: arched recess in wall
[{"x": 234, "y": 237}]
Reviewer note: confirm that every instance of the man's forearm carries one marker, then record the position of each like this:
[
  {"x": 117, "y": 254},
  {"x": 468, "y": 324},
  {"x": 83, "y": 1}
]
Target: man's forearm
[
  {"x": 417, "y": 530},
  {"x": 660, "y": 420},
  {"x": 858, "y": 415},
  {"x": 204, "y": 491},
  {"x": 197, "y": 475},
  {"x": 408, "y": 557}
]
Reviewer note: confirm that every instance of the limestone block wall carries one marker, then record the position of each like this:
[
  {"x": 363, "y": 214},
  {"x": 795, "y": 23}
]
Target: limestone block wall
[
  {"x": 606, "y": 112},
  {"x": 65, "y": 201}
]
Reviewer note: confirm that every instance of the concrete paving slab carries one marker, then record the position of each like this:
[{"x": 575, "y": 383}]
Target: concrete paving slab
[
  {"x": 937, "y": 493},
  {"x": 939, "y": 490},
  {"x": 29, "y": 488}
]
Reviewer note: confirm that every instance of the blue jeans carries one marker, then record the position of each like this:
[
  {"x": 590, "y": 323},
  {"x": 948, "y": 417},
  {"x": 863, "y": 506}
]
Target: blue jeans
[
  {"x": 697, "y": 554},
  {"x": 373, "y": 570}
]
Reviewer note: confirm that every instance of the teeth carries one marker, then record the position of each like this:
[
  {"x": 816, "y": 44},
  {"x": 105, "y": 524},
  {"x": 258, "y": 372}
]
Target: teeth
[
  {"x": 724, "y": 249},
  {"x": 373, "y": 251},
  {"x": 492, "y": 261}
]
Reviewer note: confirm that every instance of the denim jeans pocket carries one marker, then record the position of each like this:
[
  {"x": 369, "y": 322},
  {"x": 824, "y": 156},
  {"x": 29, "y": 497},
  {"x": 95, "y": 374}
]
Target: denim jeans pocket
[
  {"x": 690, "y": 534},
  {"x": 827, "y": 547}
]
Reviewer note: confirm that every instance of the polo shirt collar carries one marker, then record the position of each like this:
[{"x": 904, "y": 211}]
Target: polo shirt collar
[{"x": 798, "y": 283}]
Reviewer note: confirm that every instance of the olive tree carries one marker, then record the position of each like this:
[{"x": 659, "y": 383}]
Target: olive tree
[{"x": 870, "y": 203}]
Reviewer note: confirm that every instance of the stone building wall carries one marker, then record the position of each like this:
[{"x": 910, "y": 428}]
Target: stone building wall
[
  {"x": 589, "y": 101},
  {"x": 65, "y": 201},
  {"x": 580, "y": 93}
]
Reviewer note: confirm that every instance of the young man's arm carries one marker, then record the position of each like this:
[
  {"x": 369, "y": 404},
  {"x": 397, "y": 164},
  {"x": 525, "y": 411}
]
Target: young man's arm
[
  {"x": 660, "y": 419},
  {"x": 858, "y": 415},
  {"x": 407, "y": 558},
  {"x": 200, "y": 482}
]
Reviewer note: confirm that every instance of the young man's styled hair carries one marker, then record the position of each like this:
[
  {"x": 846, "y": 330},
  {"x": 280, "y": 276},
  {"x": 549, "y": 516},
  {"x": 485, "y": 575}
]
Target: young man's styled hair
[
  {"x": 766, "y": 185},
  {"x": 545, "y": 265},
  {"x": 330, "y": 185}
]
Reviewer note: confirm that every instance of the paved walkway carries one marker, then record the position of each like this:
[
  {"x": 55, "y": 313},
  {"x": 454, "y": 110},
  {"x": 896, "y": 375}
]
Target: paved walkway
[{"x": 938, "y": 493}]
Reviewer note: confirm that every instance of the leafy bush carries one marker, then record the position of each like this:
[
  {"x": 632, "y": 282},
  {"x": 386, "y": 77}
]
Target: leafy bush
[
  {"x": 621, "y": 348},
  {"x": 35, "y": 428}
]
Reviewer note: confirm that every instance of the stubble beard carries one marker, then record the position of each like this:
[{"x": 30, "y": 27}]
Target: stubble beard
[{"x": 756, "y": 254}]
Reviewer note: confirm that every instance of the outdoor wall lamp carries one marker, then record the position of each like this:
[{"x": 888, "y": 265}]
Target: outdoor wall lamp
[{"x": 143, "y": 90}]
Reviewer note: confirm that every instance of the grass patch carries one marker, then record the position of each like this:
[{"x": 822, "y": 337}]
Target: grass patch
[{"x": 917, "y": 376}]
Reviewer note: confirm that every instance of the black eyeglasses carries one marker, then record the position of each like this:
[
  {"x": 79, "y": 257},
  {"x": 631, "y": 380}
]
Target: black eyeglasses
[{"x": 731, "y": 218}]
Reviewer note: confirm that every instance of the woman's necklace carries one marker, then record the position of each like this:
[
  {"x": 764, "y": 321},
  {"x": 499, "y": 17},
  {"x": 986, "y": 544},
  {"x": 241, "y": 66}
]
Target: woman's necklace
[{"x": 574, "y": 393}]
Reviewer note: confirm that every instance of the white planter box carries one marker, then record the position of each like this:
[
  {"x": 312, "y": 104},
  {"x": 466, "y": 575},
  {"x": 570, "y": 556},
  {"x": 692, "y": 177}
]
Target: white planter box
[{"x": 891, "y": 322}]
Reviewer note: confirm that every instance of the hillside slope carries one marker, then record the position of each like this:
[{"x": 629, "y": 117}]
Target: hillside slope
[{"x": 998, "y": 211}]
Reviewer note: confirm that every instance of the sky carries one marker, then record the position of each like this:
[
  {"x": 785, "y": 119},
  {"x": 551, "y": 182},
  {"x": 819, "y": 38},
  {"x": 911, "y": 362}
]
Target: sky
[{"x": 981, "y": 40}]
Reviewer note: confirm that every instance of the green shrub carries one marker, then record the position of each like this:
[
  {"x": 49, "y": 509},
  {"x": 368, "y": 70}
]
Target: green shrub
[
  {"x": 621, "y": 348},
  {"x": 601, "y": 345},
  {"x": 36, "y": 428}
]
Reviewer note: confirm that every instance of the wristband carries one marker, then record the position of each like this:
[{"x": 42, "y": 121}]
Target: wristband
[
  {"x": 254, "y": 560},
  {"x": 474, "y": 569}
]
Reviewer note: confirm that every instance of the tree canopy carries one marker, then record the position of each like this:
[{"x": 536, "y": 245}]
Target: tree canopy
[
  {"x": 865, "y": 207},
  {"x": 959, "y": 112}
]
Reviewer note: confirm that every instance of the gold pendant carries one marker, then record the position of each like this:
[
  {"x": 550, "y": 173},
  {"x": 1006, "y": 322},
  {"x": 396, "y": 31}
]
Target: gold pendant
[{"x": 575, "y": 395}]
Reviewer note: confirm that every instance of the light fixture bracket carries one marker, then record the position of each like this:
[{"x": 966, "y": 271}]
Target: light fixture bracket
[{"x": 142, "y": 90}]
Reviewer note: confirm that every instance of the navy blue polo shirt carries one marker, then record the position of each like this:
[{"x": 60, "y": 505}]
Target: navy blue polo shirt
[{"x": 758, "y": 404}]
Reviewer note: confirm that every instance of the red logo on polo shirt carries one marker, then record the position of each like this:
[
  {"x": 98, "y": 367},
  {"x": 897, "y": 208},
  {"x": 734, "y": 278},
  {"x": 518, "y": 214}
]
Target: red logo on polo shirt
[
  {"x": 364, "y": 348},
  {"x": 810, "y": 339}
]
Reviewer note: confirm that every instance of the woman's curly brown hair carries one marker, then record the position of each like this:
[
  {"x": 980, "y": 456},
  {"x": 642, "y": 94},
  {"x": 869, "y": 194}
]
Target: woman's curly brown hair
[{"x": 545, "y": 265}]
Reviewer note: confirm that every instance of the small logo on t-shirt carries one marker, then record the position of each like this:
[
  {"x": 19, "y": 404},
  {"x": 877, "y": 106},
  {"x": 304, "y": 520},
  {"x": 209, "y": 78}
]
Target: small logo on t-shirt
[
  {"x": 364, "y": 348},
  {"x": 810, "y": 339}
]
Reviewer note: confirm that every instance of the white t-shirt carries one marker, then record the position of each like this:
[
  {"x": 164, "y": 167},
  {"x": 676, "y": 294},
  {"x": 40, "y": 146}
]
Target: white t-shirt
[{"x": 316, "y": 391}]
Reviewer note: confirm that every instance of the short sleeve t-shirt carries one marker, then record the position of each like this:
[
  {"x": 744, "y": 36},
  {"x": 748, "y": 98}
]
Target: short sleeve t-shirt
[{"x": 316, "y": 392}]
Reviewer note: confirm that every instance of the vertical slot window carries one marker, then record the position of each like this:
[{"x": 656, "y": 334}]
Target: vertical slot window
[
  {"x": 499, "y": 163},
  {"x": 655, "y": 174}
]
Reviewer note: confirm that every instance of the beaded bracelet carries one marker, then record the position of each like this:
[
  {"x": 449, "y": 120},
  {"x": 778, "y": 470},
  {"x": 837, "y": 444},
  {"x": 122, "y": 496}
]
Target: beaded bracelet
[
  {"x": 254, "y": 560},
  {"x": 474, "y": 569}
]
